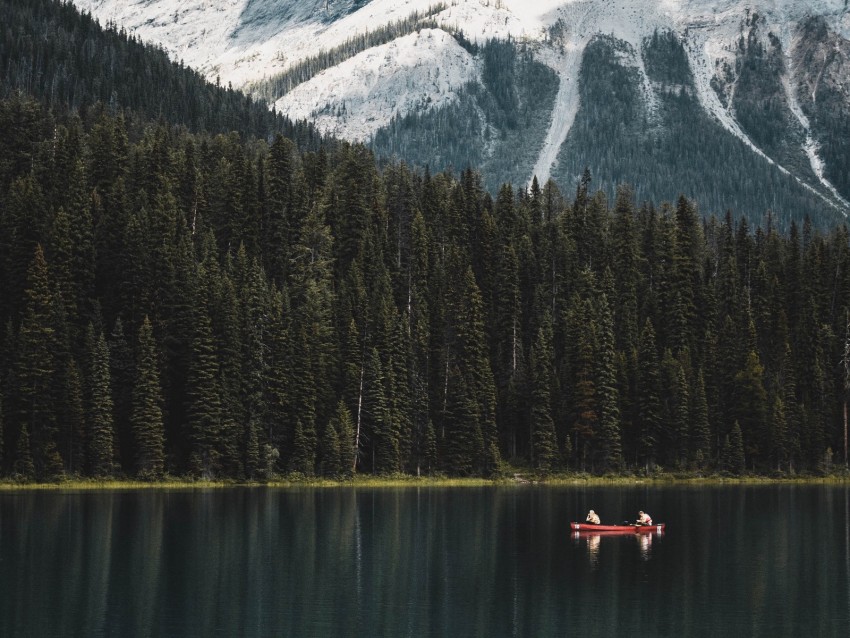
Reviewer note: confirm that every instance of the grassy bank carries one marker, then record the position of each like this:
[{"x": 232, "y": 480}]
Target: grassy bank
[{"x": 396, "y": 481}]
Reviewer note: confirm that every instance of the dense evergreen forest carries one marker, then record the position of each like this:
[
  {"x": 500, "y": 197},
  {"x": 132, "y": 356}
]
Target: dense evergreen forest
[
  {"x": 675, "y": 146},
  {"x": 179, "y": 297},
  {"x": 223, "y": 307},
  {"x": 51, "y": 51}
]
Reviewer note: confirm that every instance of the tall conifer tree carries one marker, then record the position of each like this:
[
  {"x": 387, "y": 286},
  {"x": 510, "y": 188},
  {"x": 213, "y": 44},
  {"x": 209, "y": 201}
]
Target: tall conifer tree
[
  {"x": 101, "y": 452},
  {"x": 33, "y": 389},
  {"x": 203, "y": 393},
  {"x": 609, "y": 441},
  {"x": 544, "y": 441},
  {"x": 700, "y": 433},
  {"x": 146, "y": 418},
  {"x": 649, "y": 396}
]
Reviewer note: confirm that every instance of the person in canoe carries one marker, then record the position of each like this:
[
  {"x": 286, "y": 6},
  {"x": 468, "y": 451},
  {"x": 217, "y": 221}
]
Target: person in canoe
[
  {"x": 644, "y": 518},
  {"x": 593, "y": 518}
]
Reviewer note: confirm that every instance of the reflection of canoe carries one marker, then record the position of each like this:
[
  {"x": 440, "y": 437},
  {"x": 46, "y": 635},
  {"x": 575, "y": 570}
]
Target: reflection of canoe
[{"x": 617, "y": 529}]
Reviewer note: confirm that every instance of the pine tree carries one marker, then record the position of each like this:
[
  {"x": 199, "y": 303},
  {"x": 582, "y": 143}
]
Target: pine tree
[
  {"x": 122, "y": 376},
  {"x": 100, "y": 427},
  {"x": 401, "y": 390},
  {"x": 276, "y": 384},
  {"x": 751, "y": 407},
  {"x": 675, "y": 410},
  {"x": 585, "y": 419},
  {"x": 146, "y": 419},
  {"x": 508, "y": 346},
  {"x": 344, "y": 427},
  {"x": 376, "y": 423},
  {"x": 227, "y": 339},
  {"x": 254, "y": 330},
  {"x": 732, "y": 453},
  {"x": 463, "y": 440},
  {"x": 609, "y": 443},
  {"x": 203, "y": 392},
  {"x": 700, "y": 434},
  {"x": 33, "y": 388},
  {"x": 681, "y": 417},
  {"x": 418, "y": 317},
  {"x": 545, "y": 453},
  {"x": 649, "y": 393},
  {"x": 314, "y": 348},
  {"x": 23, "y": 466},
  {"x": 329, "y": 452},
  {"x": 625, "y": 253},
  {"x": 2, "y": 433},
  {"x": 686, "y": 274},
  {"x": 473, "y": 357},
  {"x": 302, "y": 459},
  {"x": 61, "y": 250},
  {"x": 74, "y": 435},
  {"x": 778, "y": 434}
]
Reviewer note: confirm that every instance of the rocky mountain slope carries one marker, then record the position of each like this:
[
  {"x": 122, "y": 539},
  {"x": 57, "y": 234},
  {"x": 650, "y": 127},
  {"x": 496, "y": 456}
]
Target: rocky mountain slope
[{"x": 745, "y": 104}]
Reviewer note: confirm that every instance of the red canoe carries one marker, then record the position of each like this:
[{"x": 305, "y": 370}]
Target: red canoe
[{"x": 623, "y": 529}]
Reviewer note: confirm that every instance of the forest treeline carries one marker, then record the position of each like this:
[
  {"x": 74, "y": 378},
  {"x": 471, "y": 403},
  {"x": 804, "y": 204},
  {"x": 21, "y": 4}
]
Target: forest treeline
[
  {"x": 220, "y": 306},
  {"x": 51, "y": 51}
]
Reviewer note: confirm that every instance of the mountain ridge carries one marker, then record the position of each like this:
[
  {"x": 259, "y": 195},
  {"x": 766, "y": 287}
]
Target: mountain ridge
[{"x": 248, "y": 43}]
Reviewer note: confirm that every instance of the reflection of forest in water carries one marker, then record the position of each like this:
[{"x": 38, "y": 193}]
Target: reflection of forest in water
[{"x": 488, "y": 562}]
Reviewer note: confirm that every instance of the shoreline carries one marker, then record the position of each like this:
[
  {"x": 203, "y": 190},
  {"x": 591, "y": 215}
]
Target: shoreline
[{"x": 372, "y": 482}]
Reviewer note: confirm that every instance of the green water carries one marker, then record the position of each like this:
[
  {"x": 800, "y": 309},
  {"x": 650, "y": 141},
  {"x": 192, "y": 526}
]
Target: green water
[{"x": 739, "y": 561}]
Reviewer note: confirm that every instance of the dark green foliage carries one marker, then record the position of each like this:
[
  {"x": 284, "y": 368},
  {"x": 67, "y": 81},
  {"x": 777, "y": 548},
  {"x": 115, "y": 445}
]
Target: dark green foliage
[
  {"x": 609, "y": 443},
  {"x": 120, "y": 70},
  {"x": 700, "y": 434},
  {"x": 377, "y": 420},
  {"x": 517, "y": 94},
  {"x": 545, "y": 453},
  {"x": 344, "y": 427},
  {"x": 32, "y": 388},
  {"x": 73, "y": 434},
  {"x": 146, "y": 418},
  {"x": 752, "y": 409},
  {"x": 121, "y": 372},
  {"x": 732, "y": 452},
  {"x": 23, "y": 465},
  {"x": 649, "y": 397},
  {"x": 203, "y": 394},
  {"x": 463, "y": 438},
  {"x": 675, "y": 147},
  {"x": 99, "y": 410},
  {"x": 309, "y": 312},
  {"x": 329, "y": 457},
  {"x": 823, "y": 55}
]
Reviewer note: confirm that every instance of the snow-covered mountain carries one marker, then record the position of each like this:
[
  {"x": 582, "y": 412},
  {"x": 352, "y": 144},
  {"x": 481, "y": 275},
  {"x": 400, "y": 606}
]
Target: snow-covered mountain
[{"x": 544, "y": 87}]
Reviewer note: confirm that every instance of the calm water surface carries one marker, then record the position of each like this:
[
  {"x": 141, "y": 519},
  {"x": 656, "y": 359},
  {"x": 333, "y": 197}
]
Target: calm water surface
[{"x": 740, "y": 561}]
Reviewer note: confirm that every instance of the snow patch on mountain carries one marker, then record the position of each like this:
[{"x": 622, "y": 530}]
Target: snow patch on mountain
[
  {"x": 242, "y": 41},
  {"x": 810, "y": 146},
  {"x": 354, "y": 99}
]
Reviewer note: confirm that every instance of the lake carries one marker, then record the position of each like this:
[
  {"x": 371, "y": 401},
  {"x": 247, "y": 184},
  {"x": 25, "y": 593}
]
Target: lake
[{"x": 495, "y": 561}]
